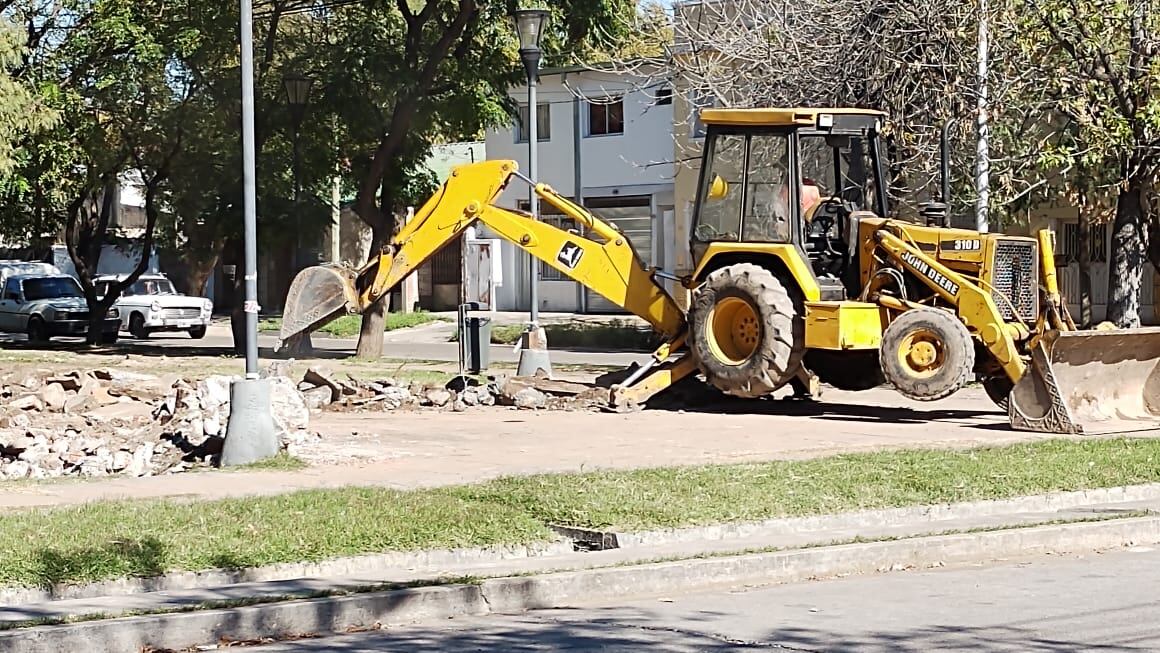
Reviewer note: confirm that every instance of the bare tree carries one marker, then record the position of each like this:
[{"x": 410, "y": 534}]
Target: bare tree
[{"x": 914, "y": 60}]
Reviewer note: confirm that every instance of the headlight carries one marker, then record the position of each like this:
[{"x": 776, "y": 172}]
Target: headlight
[
  {"x": 207, "y": 307},
  {"x": 155, "y": 307},
  {"x": 113, "y": 313}
]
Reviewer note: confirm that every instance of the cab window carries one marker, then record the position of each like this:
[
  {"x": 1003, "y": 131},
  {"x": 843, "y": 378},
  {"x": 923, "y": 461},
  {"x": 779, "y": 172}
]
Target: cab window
[
  {"x": 745, "y": 192},
  {"x": 722, "y": 187}
]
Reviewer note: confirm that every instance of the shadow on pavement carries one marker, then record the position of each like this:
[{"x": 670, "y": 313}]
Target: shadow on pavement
[
  {"x": 708, "y": 400},
  {"x": 625, "y": 630}
]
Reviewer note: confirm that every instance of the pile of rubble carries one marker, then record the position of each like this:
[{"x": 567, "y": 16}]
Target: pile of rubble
[
  {"x": 195, "y": 414},
  {"x": 117, "y": 422},
  {"x": 85, "y": 424},
  {"x": 323, "y": 391},
  {"x": 112, "y": 422}
]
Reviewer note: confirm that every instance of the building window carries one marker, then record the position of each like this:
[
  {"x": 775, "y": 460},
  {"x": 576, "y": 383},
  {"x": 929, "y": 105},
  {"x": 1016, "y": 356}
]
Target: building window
[
  {"x": 543, "y": 123},
  {"x": 1067, "y": 244},
  {"x": 606, "y": 118},
  {"x": 664, "y": 97}
]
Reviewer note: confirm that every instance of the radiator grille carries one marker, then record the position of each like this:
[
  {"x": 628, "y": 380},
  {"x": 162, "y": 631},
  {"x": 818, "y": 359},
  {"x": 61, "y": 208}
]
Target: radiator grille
[
  {"x": 182, "y": 313},
  {"x": 1015, "y": 279}
]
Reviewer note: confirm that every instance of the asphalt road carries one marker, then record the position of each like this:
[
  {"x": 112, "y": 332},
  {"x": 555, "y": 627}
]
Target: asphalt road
[{"x": 1063, "y": 604}]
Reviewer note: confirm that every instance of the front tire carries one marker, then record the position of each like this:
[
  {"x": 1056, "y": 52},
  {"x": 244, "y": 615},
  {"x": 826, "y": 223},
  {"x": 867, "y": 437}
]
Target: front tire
[
  {"x": 137, "y": 327},
  {"x": 748, "y": 334},
  {"x": 927, "y": 354},
  {"x": 197, "y": 333},
  {"x": 37, "y": 331}
]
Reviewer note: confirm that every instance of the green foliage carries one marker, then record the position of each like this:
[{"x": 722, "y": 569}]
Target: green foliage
[
  {"x": 22, "y": 110},
  {"x": 1094, "y": 82}
]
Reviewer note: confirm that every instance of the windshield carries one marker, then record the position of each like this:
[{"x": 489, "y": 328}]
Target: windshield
[
  {"x": 151, "y": 287},
  {"x": 51, "y": 288}
]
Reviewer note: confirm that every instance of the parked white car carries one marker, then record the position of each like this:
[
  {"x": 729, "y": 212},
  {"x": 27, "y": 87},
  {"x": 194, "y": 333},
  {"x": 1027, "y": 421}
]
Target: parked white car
[
  {"x": 151, "y": 305},
  {"x": 46, "y": 305}
]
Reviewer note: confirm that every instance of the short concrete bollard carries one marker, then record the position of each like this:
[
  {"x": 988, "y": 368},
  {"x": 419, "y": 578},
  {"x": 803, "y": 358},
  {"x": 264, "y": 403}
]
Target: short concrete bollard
[{"x": 250, "y": 435}]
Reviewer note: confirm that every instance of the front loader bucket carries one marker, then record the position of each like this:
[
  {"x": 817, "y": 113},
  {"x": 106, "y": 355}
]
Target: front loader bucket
[
  {"x": 1090, "y": 382},
  {"x": 317, "y": 296}
]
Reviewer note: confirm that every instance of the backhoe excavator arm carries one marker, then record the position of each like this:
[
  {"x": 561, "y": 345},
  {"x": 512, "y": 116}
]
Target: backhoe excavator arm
[{"x": 609, "y": 266}]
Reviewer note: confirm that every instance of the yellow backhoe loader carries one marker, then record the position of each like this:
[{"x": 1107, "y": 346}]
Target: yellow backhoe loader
[{"x": 800, "y": 276}]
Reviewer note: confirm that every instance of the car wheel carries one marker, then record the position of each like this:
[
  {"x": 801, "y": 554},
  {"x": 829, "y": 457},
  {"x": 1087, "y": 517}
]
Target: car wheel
[
  {"x": 137, "y": 327},
  {"x": 197, "y": 333},
  {"x": 37, "y": 332}
]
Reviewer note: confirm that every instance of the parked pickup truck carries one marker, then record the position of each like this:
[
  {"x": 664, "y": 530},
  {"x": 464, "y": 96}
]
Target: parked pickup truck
[
  {"x": 151, "y": 304},
  {"x": 44, "y": 304}
]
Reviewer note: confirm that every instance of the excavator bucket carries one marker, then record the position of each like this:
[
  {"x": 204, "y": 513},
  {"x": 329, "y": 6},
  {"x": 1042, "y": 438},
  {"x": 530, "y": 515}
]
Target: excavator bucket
[
  {"x": 1090, "y": 382},
  {"x": 317, "y": 296}
]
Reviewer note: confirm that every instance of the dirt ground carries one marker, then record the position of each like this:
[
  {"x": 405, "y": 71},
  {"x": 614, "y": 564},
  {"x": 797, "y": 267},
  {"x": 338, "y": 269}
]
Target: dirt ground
[{"x": 427, "y": 448}]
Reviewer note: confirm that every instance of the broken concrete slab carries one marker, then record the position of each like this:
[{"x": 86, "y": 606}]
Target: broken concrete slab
[
  {"x": 53, "y": 396},
  {"x": 530, "y": 399}
]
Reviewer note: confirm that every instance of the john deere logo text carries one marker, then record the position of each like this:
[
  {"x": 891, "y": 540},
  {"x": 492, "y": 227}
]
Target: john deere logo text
[{"x": 922, "y": 267}]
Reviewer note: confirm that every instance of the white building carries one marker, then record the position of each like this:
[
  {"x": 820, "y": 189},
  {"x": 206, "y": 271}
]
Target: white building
[{"x": 607, "y": 140}]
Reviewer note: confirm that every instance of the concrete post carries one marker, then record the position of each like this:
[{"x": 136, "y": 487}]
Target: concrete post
[{"x": 410, "y": 289}]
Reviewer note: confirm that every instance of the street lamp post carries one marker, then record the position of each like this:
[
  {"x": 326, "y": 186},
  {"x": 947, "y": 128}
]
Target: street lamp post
[
  {"x": 250, "y": 433},
  {"x": 297, "y": 96},
  {"x": 530, "y": 28}
]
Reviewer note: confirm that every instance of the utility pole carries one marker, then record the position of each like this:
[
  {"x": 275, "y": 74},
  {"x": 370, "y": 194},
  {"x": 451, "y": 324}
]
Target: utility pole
[
  {"x": 250, "y": 433},
  {"x": 982, "y": 150},
  {"x": 534, "y": 357}
]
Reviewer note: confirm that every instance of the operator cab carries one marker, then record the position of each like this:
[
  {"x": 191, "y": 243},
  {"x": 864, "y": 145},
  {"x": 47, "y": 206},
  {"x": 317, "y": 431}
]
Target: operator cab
[{"x": 792, "y": 176}]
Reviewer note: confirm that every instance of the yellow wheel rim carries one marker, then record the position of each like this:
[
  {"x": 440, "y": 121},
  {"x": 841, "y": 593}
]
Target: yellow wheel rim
[
  {"x": 734, "y": 331},
  {"x": 922, "y": 353}
]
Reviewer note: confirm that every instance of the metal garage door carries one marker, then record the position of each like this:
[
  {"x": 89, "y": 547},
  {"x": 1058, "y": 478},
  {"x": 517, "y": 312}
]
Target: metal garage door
[{"x": 633, "y": 217}]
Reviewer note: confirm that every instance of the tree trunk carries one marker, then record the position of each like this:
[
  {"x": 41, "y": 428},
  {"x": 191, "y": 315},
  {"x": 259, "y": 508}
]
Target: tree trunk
[
  {"x": 370, "y": 337},
  {"x": 97, "y": 311},
  {"x": 1085, "y": 269},
  {"x": 1129, "y": 252},
  {"x": 197, "y": 273}
]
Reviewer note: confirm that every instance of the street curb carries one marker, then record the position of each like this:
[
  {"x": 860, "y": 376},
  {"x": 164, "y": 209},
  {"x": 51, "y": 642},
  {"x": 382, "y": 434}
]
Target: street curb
[
  {"x": 516, "y": 594},
  {"x": 1056, "y": 501},
  {"x": 339, "y": 567},
  {"x": 382, "y": 563}
]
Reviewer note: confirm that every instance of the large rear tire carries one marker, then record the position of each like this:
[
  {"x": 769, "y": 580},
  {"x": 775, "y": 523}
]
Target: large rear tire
[
  {"x": 927, "y": 354},
  {"x": 748, "y": 334}
]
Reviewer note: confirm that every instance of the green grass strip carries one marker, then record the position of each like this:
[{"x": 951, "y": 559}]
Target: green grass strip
[
  {"x": 348, "y": 326},
  {"x": 107, "y": 540}
]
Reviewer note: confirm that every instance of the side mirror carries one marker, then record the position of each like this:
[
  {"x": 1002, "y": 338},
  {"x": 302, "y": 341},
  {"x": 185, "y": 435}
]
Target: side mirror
[{"x": 719, "y": 188}]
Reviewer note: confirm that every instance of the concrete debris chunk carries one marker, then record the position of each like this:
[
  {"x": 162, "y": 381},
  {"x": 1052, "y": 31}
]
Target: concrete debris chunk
[
  {"x": 318, "y": 397},
  {"x": 530, "y": 399},
  {"x": 53, "y": 396},
  {"x": 438, "y": 398}
]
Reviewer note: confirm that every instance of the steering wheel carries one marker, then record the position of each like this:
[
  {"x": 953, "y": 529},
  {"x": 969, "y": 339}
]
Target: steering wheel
[{"x": 825, "y": 214}]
